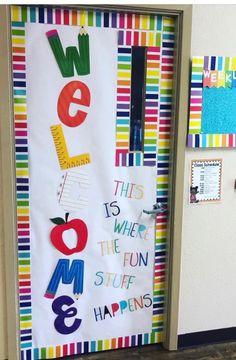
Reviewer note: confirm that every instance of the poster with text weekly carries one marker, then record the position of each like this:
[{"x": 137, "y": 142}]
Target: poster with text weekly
[{"x": 88, "y": 136}]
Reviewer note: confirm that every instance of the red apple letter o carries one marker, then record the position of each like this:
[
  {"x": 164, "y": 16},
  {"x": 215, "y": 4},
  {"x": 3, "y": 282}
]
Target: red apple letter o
[
  {"x": 66, "y": 97},
  {"x": 82, "y": 235}
]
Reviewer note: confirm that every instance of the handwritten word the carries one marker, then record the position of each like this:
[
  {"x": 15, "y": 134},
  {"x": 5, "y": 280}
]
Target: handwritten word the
[{"x": 109, "y": 247}]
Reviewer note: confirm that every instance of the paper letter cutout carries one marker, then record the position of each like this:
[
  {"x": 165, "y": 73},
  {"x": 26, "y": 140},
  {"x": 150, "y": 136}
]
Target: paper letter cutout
[
  {"x": 72, "y": 194},
  {"x": 81, "y": 230},
  {"x": 65, "y": 274},
  {"x": 65, "y": 160},
  {"x": 66, "y": 97},
  {"x": 59, "y": 322},
  {"x": 71, "y": 58}
]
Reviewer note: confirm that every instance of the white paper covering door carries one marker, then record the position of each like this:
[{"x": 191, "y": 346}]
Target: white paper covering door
[
  {"x": 92, "y": 94},
  {"x": 92, "y": 269}
]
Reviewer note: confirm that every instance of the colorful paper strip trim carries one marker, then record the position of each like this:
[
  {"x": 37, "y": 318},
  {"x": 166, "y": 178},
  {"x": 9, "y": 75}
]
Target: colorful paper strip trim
[
  {"x": 163, "y": 163},
  {"x": 162, "y": 40},
  {"x": 127, "y": 39},
  {"x": 122, "y": 20},
  {"x": 22, "y": 183},
  {"x": 195, "y": 139}
]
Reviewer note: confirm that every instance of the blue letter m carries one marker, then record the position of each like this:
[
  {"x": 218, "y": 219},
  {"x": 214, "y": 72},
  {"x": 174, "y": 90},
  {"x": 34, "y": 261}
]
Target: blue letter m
[{"x": 67, "y": 274}]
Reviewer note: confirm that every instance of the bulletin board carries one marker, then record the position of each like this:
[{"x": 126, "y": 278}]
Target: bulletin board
[
  {"x": 212, "y": 102},
  {"x": 91, "y": 262}
]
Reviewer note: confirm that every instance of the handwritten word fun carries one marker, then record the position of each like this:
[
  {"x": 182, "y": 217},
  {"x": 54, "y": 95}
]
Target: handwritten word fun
[{"x": 135, "y": 259}]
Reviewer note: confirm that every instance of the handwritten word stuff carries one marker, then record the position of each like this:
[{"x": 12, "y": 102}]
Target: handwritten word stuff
[{"x": 114, "y": 280}]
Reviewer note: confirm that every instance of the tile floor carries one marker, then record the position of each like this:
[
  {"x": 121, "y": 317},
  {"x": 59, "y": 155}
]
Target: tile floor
[{"x": 222, "y": 351}]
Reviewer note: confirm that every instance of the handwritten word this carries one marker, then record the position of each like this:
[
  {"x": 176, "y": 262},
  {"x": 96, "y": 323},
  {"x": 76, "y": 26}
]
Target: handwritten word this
[
  {"x": 128, "y": 190},
  {"x": 135, "y": 259},
  {"x": 122, "y": 307},
  {"x": 114, "y": 280},
  {"x": 132, "y": 229},
  {"x": 109, "y": 247}
]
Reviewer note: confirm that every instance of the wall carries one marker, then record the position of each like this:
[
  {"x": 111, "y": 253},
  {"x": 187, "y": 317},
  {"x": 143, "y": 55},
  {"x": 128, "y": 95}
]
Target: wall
[
  {"x": 3, "y": 322},
  {"x": 208, "y": 266}
]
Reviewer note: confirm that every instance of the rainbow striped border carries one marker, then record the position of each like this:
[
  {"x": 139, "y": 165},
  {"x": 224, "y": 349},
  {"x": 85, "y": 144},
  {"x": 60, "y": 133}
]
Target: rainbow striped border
[
  {"x": 49, "y": 15},
  {"x": 195, "y": 138},
  {"x": 22, "y": 183},
  {"x": 165, "y": 27},
  {"x": 163, "y": 163},
  {"x": 127, "y": 39}
]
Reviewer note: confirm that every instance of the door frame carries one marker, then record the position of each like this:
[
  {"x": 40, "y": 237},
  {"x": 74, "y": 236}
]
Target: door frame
[{"x": 183, "y": 17}]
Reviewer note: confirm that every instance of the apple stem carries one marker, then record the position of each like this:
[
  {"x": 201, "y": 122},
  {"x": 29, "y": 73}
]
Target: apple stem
[{"x": 66, "y": 217}]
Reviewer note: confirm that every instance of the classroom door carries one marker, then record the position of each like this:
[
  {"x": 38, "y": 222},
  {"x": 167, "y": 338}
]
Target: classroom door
[{"x": 92, "y": 110}]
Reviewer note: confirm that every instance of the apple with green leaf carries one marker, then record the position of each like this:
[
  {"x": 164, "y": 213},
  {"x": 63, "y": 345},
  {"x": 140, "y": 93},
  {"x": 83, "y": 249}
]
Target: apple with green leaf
[{"x": 62, "y": 225}]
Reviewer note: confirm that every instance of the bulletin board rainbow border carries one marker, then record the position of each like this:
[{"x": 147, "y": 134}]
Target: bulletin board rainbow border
[
  {"x": 165, "y": 27},
  {"x": 195, "y": 138}
]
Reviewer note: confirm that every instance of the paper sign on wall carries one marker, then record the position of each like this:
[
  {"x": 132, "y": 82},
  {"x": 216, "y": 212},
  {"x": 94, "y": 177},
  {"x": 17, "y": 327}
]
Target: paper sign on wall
[{"x": 205, "y": 180}]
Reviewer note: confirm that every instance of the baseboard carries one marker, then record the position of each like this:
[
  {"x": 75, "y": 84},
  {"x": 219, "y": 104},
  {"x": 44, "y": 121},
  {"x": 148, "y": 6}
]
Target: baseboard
[{"x": 207, "y": 337}]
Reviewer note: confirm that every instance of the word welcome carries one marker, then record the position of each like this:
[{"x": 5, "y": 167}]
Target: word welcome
[{"x": 75, "y": 92}]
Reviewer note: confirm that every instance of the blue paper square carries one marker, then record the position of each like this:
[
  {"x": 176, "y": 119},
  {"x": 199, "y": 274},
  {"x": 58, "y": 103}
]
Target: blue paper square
[{"x": 218, "y": 111}]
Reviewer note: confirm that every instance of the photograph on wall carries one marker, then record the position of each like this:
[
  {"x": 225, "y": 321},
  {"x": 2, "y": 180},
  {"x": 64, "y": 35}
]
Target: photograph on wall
[
  {"x": 205, "y": 183},
  {"x": 92, "y": 114}
]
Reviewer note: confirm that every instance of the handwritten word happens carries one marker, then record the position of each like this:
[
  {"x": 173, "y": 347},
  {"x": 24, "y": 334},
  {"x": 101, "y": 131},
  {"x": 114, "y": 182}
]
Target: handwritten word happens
[{"x": 122, "y": 307}]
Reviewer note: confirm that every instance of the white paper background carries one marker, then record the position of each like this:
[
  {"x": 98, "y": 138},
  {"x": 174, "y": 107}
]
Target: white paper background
[{"x": 96, "y": 136}]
